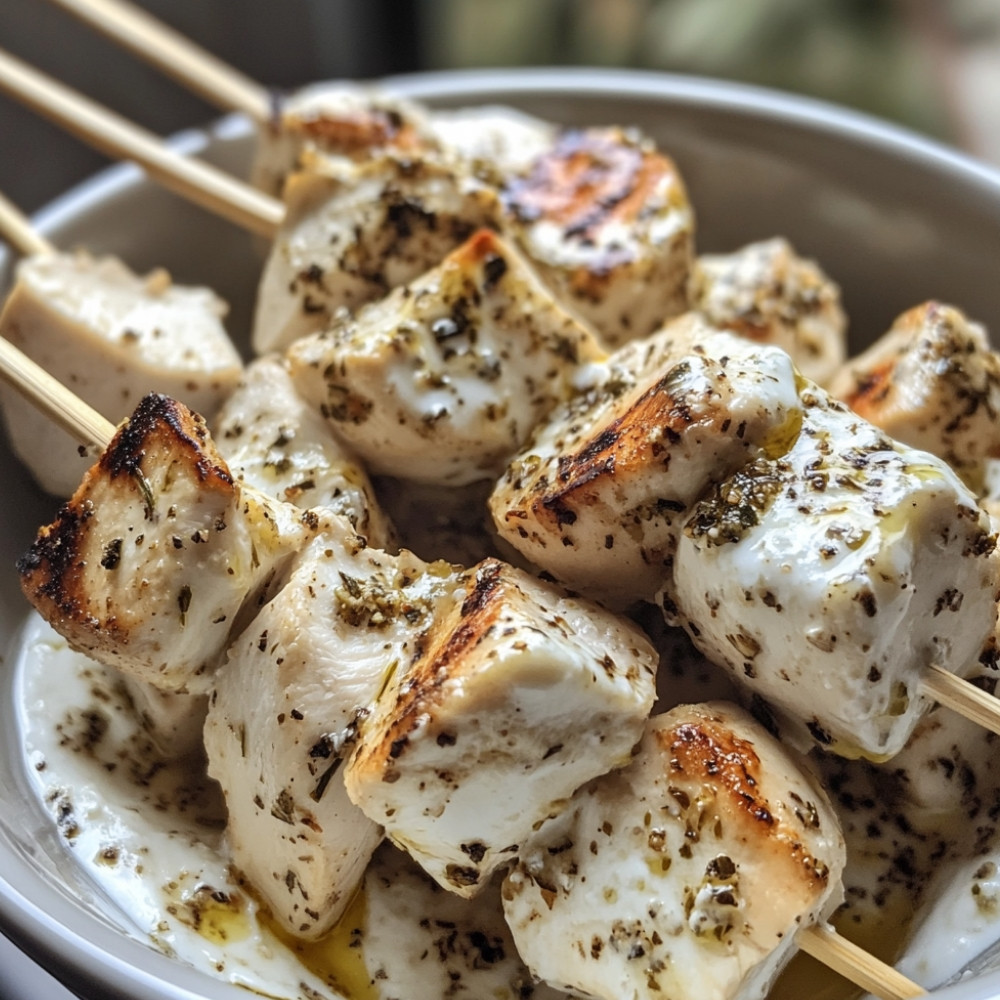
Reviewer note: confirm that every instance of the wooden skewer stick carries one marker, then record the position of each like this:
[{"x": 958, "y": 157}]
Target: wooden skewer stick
[
  {"x": 856, "y": 965},
  {"x": 51, "y": 397},
  {"x": 90, "y": 428},
  {"x": 175, "y": 55},
  {"x": 17, "y": 230},
  {"x": 960, "y": 696},
  {"x": 119, "y": 138}
]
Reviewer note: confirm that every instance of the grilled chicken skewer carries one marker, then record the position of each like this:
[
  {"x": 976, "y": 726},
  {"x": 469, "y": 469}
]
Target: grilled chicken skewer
[
  {"x": 156, "y": 566},
  {"x": 113, "y": 335},
  {"x": 487, "y": 583},
  {"x": 601, "y": 213},
  {"x": 803, "y": 571}
]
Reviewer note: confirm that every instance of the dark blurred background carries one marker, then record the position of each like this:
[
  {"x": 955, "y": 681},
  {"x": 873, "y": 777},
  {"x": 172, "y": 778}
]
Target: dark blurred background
[{"x": 931, "y": 65}]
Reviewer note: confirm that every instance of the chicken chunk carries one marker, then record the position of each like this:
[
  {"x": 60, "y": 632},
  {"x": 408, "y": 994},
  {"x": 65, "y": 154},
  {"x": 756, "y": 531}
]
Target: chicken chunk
[
  {"x": 286, "y": 709},
  {"x": 277, "y": 444},
  {"x": 614, "y": 471},
  {"x": 336, "y": 122},
  {"x": 828, "y": 578},
  {"x": 768, "y": 293},
  {"x": 111, "y": 336},
  {"x": 444, "y": 379},
  {"x": 516, "y": 699},
  {"x": 352, "y": 234},
  {"x": 687, "y": 875},
  {"x": 149, "y": 564},
  {"x": 606, "y": 218},
  {"x": 932, "y": 382}
]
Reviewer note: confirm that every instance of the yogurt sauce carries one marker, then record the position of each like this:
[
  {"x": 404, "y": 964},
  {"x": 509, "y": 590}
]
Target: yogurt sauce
[{"x": 150, "y": 832}]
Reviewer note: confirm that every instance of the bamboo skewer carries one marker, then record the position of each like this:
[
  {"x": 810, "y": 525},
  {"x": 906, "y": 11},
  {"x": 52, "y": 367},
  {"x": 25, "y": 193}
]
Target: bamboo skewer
[
  {"x": 18, "y": 231},
  {"x": 175, "y": 55},
  {"x": 117, "y": 137},
  {"x": 960, "y": 696},
  {"x": 857, "y": 965},
  {"x": 51, "y": 397},
  {"x": 93, "y": 430}
]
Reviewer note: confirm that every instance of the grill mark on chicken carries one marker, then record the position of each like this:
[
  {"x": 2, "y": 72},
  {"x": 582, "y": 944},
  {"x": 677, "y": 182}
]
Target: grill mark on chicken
[
  {"x": 871, "y": 389},
  {"x": 712, "y": 753},
  {"x": 587, "y": 180},
  {"x": 356, "y": 134},
  {"x": 52, "y": 570},
  {"x": 630, "y": 439},
  {"x": 433, "y": 667},
  {"x": 155, "y": 411}
]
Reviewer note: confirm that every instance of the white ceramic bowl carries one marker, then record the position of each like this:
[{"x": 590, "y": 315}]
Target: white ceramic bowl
[{"x": 893, "y": 218}]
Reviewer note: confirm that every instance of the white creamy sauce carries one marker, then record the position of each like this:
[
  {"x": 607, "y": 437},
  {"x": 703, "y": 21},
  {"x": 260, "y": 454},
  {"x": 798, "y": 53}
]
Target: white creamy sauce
[{"x": 149, "y": 833}]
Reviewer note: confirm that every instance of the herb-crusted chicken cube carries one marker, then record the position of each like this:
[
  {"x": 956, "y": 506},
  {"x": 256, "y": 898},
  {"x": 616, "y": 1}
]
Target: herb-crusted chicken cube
[
  {"x": 149, "y": 564},
  {"x": 444, "y": 379},
  {"x": 827, "y": 579},
  {"x": 606, "y": 219},
  {"x": 599, "y": 494},
  {"x": 350, "y": 234},
  {"x": 517, "y": 698},
  {"x": 335, "y": 122},
  {"x": 113, "y": 336},
  {"x": 932, "y": 382},
  {"x": 685, "y": 875},
  {"x": 288, "y": 705},
  {"x": 769, "y": 294}
]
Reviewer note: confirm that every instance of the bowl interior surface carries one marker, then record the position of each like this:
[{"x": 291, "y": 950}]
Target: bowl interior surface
[{"x": 894, "y": 219}]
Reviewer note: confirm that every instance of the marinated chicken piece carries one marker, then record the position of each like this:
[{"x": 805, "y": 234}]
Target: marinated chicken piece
[
  {"x": 517, "y": 698},
  {"x": 111, "y": 336},
  {"x": 494, "y": 141},
  {"x": 829, "y": 577},
  {"x": 173, "y": 721},
  {"x": 337, "y": 122},
  {"x": 277, "y": 444},
  {"x": 443, "y": 380},
  {"x": 286, "y": 709},
  {"x": 606, "y": 218},
  {"x": 766, "y": 292},
  {"x": 352, "y": 234},
  {"x": 687, "y": 875},
  {"x": 417, "y": 941},
  {"x": 932, "y": 382},
  {"x": 598, "y": 495},
  {"x": 148, "y": 565}
]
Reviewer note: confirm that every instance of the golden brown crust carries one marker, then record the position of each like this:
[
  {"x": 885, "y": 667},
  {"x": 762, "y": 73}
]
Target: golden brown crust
[
  {"x": 708, "y": 756},
  {"x": 356, "y": 133},
  {"x": 632, "y": 441},
  {"x": 436, "y": 663},
  {"x": 589, "y": 179}
]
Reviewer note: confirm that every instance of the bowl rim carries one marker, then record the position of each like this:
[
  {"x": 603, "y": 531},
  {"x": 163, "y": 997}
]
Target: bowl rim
[{"x": 84, "y": 951}]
